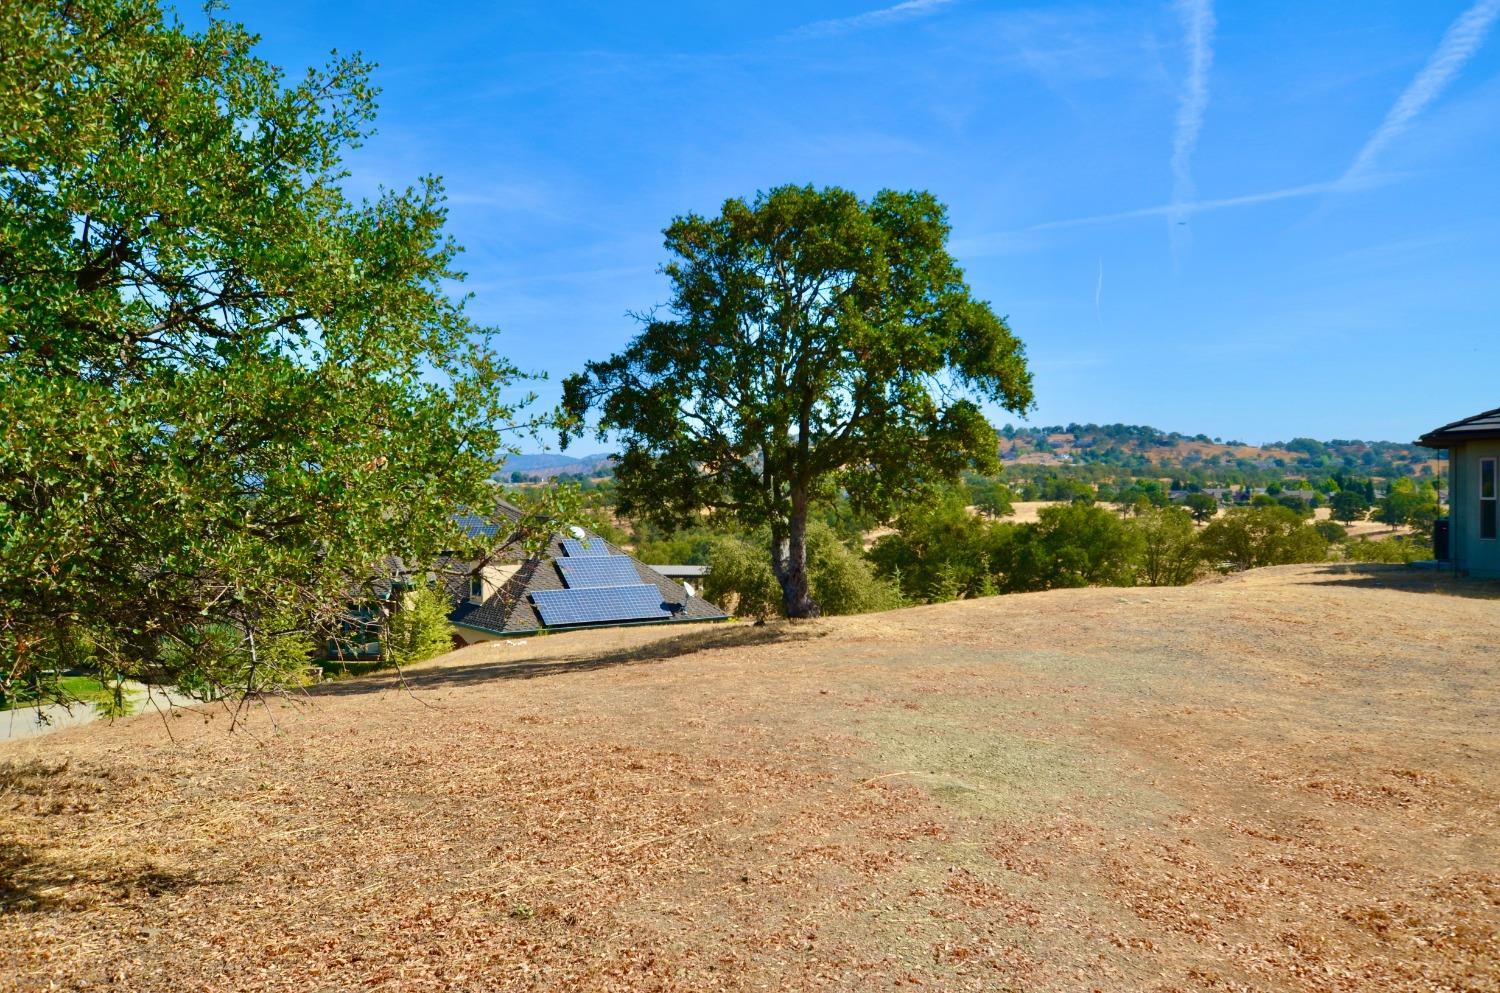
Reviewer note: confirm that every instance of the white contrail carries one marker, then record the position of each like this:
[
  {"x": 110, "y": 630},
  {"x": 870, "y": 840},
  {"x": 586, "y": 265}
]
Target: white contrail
[
  {"x": 1459, "y": 44},
  {"x": 1190, "y": 207},
  {"x": 1198, "y": 24},
  {"x": 906, "y": 10}
]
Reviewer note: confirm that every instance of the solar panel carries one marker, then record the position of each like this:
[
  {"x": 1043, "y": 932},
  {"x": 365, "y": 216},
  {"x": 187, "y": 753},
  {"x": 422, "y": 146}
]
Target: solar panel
[
  {"x": 475, "y": 526},
  {"x": 600, "y": 605},
  {"x": 598, "y": 570},
  {"x": 576, "y": 549}
]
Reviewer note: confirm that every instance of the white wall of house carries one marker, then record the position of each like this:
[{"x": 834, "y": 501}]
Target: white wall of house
[{"x": 1479, "y": 557}]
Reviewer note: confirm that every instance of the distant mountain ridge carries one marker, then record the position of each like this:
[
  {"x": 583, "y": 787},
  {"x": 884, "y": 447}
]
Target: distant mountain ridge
[
  {"x": 549, "y": 464},
  {"x": 1139, "y": 448}
]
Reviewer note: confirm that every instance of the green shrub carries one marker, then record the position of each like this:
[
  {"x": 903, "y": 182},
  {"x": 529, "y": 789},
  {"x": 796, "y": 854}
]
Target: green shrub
[
  {"x": 842, "y": 580},
  {"x": 218, "y": 660},
  {"x": 940, "y": 552},
  {"x": 420, "y": 629},
  {"x": 1331, "y": 531},
  {"x": 1083, "y": 545},
  {"x": 1249, "y": 537},
  {"x": 1390, "y": 550},
  {"x": 1168, "y": 544},
  {"x": 740, "y": 578},
  {"x": 943, "y": 552}
]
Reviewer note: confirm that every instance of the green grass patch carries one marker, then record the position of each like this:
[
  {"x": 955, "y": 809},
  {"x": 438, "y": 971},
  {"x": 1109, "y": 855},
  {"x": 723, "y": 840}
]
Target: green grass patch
[
  {"x": 70, "y": 689},
  {"x": 337, "y": 669}
]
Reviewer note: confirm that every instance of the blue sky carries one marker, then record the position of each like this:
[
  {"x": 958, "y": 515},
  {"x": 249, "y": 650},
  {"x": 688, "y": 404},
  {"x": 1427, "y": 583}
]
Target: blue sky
[{"x": 1255, "y": 220}]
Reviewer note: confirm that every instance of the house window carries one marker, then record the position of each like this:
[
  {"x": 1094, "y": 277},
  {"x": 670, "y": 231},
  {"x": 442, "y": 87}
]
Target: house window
[
  {"x": 1487, "y": 501},
  {"x": 476, "y": 587}
]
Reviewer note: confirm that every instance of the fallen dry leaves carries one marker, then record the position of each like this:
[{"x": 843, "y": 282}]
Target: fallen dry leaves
[{"x": 1286, "y": 781}]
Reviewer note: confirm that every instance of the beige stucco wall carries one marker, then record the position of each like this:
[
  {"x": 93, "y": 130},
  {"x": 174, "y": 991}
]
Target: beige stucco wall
[
  {"x": 473, "y": 636},
  {"x": 1471, "y": 554}
]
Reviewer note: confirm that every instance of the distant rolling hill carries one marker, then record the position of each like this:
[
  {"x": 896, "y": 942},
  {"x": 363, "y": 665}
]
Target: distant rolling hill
[{"x": 548, "y": 464}]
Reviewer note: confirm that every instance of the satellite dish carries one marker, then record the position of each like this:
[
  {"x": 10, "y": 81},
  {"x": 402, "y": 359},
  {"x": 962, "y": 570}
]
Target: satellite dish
[
  {"x": 577, "y": 532},
  {"x": 688, "y": 586}
]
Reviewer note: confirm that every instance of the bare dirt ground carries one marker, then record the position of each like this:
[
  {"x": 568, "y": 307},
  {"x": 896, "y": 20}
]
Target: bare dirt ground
[{"x": 1288, "y": 780}]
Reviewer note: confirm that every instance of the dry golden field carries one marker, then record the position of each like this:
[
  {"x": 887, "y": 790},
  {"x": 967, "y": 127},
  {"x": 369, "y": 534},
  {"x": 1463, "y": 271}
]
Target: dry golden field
[{"x": 1287, "y": 780}]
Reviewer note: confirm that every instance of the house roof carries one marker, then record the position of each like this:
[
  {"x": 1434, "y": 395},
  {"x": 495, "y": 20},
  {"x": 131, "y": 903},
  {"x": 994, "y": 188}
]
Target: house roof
[
  {"x": 681, "y": 571},
  {"x": 510, "y": 610},
  {"x": 1475, "y": 428}
]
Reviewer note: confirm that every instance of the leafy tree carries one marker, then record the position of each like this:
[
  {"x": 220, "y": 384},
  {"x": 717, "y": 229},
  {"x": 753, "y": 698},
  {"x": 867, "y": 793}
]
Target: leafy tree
[
  {"x": 1086, "y": 546},
  {"x": 1142, "y": 493},
  {"x": 1249, "y": 537},
  {"x": 991, "y": 497},
  {"x": 1076, "y": 545},
  {"x": 842, "y": 580},
  {"x": 1169, "y": 554},
  {"x": 814, "y": 343},
  {"x": 1349, "y": 506},
  {"x": 1331, "y": 531},
  {"x": 740, "y": 578},
  {"x": 1202, "y": 506},
  {"x": 420, "y": 629},
  {"x": 1295, "y": 504},
  {"x": 228, "y": 394},
  {"x": 940, "y": 551},
  {"x": 1407, "y": 503}
]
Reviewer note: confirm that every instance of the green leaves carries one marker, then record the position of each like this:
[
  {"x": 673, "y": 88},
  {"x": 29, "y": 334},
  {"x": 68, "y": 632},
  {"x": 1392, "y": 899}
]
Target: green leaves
[
  {"x": 230, "y": 398},
  {"x": 813, "y": 343}
]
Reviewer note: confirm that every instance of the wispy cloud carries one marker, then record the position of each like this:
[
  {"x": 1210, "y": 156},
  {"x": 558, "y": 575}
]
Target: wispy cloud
[
  {"x": 1198, "y": 27},
  {"x": 905, "y": 11},
  {"x": 1459, "y": 44}
]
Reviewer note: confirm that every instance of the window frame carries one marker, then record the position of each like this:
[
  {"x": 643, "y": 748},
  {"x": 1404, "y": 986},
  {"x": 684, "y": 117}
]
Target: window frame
[
  {"x": 1493, "y": 499},
  {"x": 476, "y": 587}
]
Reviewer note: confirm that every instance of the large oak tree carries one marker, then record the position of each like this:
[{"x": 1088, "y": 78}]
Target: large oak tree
[
  {"x": 813, "y": 342},
  {"x": 230, "y": 396}
]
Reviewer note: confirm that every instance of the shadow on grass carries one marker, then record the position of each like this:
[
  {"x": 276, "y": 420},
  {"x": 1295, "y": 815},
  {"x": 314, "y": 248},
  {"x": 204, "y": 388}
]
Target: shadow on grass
[
  {"x": 569, "y": 663},
  {"x": 32, "y": 883},
  {"x": 1409, "y": 579}
]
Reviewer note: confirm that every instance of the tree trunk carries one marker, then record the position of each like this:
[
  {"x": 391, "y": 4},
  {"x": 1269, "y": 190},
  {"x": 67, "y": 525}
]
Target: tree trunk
[{"x": 789, "y": 561}]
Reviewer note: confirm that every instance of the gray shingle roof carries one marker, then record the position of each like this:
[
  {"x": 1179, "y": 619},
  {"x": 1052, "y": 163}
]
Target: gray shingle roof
[
  {"x": 509, "y": 609},
  {"x": 1475, "y": 428}
]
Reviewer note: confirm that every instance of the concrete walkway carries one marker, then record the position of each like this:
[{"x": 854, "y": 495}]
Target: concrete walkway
[{"x": 32, "y": 722}]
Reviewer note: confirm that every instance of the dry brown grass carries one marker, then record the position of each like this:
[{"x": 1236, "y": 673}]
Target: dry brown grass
[{"x": 1288, "y": 780}]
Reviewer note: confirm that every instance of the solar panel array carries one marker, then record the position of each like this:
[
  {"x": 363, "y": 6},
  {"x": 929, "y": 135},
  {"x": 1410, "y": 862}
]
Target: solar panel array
[
  {"x": 600, "y": 605},
  {"x": 598, "y": 570},
  {"x": 577, "y": 549}
]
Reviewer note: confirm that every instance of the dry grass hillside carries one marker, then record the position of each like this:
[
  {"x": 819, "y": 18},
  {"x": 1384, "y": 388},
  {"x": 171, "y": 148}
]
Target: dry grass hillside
[{"x": 1288, "y": 780}]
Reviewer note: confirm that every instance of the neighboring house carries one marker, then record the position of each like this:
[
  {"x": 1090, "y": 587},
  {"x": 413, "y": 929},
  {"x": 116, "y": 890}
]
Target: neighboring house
[
  {"x": 1473, "y": 446},
  {"x": 580, "y": 581}
]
